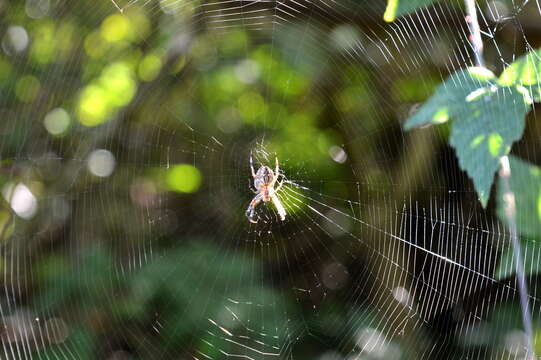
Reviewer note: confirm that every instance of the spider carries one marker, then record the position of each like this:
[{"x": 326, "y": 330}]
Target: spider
[{"x": 264, "y": 181}]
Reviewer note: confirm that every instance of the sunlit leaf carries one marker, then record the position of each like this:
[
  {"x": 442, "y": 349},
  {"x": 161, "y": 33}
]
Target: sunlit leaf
[
  {"x": 487, "y": 119},
  {"x": 397, "y": 8},
  {"x": 449, "y": 98},
  {"x": 484, "y": 130},
  {"x": 525, "y": 71}
]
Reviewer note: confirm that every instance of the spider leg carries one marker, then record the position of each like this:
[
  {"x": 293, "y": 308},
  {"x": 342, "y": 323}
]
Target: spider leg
[
  {"x": 250, "y": 212},
  {"x": 252, "y": 187},
  {"x": 280, "y": 183},
  {"x": 279, "y": 207},
  {"x": 252, "y": 165},
  {"x": 276, "y": 173}
]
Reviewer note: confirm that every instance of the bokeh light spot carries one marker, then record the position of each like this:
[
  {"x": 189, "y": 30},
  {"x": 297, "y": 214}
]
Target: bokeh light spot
[
  {"x": 21, "y": 199},
  {"x": 251, "y": 105},
  {"x": 94, "y": 45},
  {"x": 43, "y": 49},
  {"x": 36, "y": 9},
  {"x": 118, "y": 82},
  {"x": 344, "y": 36},
  {"x": 57, "y": 121},
  {"x": 477, "y": 141},
  {"x": 247, "y": 71},
  {"x": 338, "y": 154},
  {"x": 101, "y": 163},
  {"x": 15, "y": 40},
  {"x": 92, "y": 106},
  {"x": 149, "y": 67},
  {"x": 113, "y": 89},
  {"x": 184, "y": 178},
  {"x": 115, "y": 28}
]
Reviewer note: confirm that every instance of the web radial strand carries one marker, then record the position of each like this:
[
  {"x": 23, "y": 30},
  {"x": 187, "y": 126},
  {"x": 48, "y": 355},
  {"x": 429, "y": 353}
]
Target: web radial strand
[{"x": 126, "y": 235}]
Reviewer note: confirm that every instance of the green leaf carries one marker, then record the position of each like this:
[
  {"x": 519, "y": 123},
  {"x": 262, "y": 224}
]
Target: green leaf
[
  {"x": 397, "y": 8},
  {"x": 531, "y": 257},
  {"x": 487, "y": 120},
  {"x": 525, "y": 71},
  {"x": 526, "y": 185},
  {"x": 485, "y": 127},
  {"x": 449, "y": 98}
]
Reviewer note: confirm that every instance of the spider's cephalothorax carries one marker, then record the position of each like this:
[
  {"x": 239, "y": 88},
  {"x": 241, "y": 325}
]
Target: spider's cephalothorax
[
  {"x": 265, "y": 174},
  {"x": 264, "y": 180}
]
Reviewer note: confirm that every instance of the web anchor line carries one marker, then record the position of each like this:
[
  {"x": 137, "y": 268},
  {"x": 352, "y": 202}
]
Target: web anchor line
[
  {"x": 118, "y": 7},
  {"x": 398, "y": 238}
]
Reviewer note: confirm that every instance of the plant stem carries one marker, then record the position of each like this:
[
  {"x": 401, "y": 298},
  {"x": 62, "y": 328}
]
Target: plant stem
[
  {"x": 508, "y": 195},
  {"x": 510, "y": 214}
]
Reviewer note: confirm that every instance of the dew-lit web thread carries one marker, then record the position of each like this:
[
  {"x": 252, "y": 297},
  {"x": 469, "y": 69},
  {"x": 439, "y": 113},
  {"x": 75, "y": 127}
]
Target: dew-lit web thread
[
  {"x": 271, "y": 350},
  {"x": 251, "y": 343},
  {"x": 283, "y": 337},
  {"x": 520, "y": 251},
  {"x": 27, "y": 334},
  {"x": 509, "y": 196},
  {"x": 411, "y": 28},
  {"x": 257, "y": 24},
  {"x": 463, "y": 59},
  {"x": 396, "y": 237},
  {"x": 23, "y": 348}
]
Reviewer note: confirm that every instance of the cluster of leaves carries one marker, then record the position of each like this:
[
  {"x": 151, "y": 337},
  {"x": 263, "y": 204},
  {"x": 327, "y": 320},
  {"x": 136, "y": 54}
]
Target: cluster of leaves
[
  {"x": 107, "y": 79},
  {"x": 90, "y": 292},
  {"x": 179, "y": 279},
  {"x": 488, "y": 115}
]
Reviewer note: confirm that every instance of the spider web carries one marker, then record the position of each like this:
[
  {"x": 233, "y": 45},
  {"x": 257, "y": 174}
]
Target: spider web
[{"x": 377, "y": 257}]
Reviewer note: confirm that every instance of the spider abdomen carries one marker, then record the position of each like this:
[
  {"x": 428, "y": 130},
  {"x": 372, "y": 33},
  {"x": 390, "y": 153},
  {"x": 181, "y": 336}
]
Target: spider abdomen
[{"x": 266, "y": 192}]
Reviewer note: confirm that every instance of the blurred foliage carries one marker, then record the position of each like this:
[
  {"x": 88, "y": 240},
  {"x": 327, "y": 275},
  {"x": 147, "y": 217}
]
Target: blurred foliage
[
  {"x": 179, "y": 279},
  {"x": 124, "y": 176}
]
